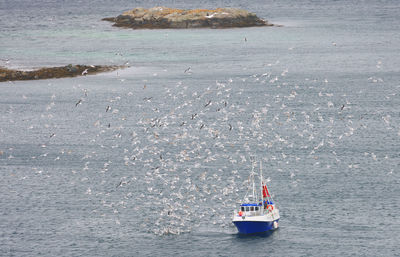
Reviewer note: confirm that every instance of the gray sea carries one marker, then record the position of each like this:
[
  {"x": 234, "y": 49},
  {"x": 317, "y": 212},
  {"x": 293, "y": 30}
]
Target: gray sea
[{"x": 154, "y": 160}]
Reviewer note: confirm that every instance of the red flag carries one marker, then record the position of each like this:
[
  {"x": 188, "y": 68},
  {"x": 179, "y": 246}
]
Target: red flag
[{"x": 265, "y": 191}]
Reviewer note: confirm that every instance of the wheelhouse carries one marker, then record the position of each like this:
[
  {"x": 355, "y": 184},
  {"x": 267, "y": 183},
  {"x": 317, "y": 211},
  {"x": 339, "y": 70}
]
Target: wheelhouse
[{"x": 249, "y": 209}]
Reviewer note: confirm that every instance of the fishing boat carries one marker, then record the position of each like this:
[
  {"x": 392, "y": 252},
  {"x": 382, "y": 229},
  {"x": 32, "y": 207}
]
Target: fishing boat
[{"x": 258, "y": 212}]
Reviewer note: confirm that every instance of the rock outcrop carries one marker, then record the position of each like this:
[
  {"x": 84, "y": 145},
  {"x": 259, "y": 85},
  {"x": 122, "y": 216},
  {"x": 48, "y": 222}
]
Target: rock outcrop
[
  {"x": 163, "y": 18},
  {"x": 54, "y": 72}
]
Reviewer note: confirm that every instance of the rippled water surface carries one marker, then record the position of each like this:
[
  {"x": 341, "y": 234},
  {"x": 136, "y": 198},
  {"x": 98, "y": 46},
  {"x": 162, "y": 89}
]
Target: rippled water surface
[{"x": 153, "y": 160}]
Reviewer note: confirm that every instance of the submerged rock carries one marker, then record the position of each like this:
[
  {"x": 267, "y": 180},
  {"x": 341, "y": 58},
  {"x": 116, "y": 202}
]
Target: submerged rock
[
  {"x": 163, "y": 18},
  {"x": 54, "y": 72}
]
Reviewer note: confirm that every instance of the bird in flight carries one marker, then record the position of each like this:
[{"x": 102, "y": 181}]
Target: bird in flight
[{"x": 85, "y": 72}]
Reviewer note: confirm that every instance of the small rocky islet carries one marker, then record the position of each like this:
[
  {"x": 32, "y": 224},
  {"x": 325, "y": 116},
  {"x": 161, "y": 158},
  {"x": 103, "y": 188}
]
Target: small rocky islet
[
  {"x": 165, "y": 18},
  {"x": 54, "y": 72}
]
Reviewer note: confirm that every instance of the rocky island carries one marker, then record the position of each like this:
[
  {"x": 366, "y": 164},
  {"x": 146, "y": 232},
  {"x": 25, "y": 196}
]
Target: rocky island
[
  {"x": 54, "y": 72},
  {"x": 164, "y": 18}
]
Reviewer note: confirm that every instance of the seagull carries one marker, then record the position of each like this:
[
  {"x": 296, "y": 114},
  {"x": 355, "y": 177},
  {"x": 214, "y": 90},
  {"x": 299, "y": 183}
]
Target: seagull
[
  {"x": 188, "y": 69},
  {"x": 230, "y": 127},
  {"x": 52, "y": 135},
  {"x": 119, "y": 184},
  {"x": 341, "y": 108},
  {"x": 245, "y": 39},
  {"x": 108, "y": 108},
  {"x": 78, "y": 103},
  {"x": 207, "y": 104},
  {"x": 5, "y": 60},
  {"x": 85, "y": 72}
]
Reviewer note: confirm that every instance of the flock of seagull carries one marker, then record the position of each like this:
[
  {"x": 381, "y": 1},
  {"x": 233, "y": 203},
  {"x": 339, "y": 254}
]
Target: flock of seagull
[{"x": 179, "y": 154}]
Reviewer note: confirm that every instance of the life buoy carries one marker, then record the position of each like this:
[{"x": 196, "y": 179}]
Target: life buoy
[{"x": 240, "y": 213}]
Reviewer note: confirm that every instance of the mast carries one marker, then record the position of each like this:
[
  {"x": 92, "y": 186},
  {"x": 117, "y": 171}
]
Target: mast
[
  {"x": 254, "y": 186},
  {"x": 261, "y": 184}
]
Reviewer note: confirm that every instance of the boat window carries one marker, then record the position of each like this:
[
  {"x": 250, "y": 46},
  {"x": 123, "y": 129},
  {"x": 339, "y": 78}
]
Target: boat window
[
  {"x": 247, "y": 208},
  {"x": 256, "y": 208},
  {"x": 242, "y": 208},
  {"x": 251, "y": 208}
]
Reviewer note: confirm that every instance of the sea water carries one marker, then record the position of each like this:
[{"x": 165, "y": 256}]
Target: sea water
[{"x": 152, "y": 160}]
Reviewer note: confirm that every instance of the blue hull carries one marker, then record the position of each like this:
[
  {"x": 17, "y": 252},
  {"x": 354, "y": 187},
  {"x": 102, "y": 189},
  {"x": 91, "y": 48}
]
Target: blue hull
[{"x": 251, "y": 227}]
